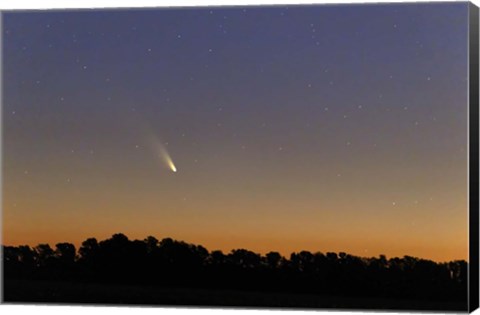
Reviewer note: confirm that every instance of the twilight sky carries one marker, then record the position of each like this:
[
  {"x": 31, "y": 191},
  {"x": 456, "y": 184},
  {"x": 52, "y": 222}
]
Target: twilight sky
[{"x": 325, "y": 128}]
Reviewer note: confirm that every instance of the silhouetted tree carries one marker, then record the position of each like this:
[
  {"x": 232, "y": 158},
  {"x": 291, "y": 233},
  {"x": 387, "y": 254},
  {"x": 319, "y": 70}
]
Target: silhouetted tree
[
  {"x": 45, "y": 254},
  {"x": 273, "y": 259},
  {"x": 27, "y": 256},
  {"x": 244, "y": 258},
  {"x": 65, "y": 253},
  {"x": 89, "y": 249},
  {"x": 152, "y": 244}
]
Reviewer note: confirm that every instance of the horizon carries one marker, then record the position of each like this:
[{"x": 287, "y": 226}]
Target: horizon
[{"x": 227, "y": 251}]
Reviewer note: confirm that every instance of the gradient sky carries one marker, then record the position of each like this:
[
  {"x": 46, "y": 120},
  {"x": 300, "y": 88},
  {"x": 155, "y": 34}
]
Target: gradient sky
[{"x": 324, "y": 128}]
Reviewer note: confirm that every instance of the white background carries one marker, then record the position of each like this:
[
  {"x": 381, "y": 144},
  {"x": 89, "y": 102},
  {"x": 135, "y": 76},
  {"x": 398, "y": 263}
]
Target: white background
[{"x": 77, "y": 310}]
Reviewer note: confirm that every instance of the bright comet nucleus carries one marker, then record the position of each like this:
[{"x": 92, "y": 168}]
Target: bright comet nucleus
[
  {"x": 168, "y": 160},
  {"x": 171, "y": 165}
]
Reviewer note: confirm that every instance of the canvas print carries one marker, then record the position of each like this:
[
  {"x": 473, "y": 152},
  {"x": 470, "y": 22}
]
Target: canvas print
[{"x": 303, "y": 156}]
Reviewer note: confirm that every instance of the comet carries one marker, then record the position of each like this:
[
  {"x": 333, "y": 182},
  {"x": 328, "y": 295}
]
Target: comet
[
  {"x": 163, "y": 154},
  {"x": 157, "y": 146}
]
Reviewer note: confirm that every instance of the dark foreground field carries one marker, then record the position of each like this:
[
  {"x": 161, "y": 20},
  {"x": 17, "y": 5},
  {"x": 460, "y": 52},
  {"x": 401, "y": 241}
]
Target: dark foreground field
[{"x": 49, "y": 292}]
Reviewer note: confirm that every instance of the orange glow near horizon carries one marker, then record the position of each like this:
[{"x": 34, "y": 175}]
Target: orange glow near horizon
[{"x": 223, "y": 227}]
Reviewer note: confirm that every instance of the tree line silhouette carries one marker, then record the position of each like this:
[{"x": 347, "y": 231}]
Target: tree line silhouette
[{"x": 176, "y": 264}]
